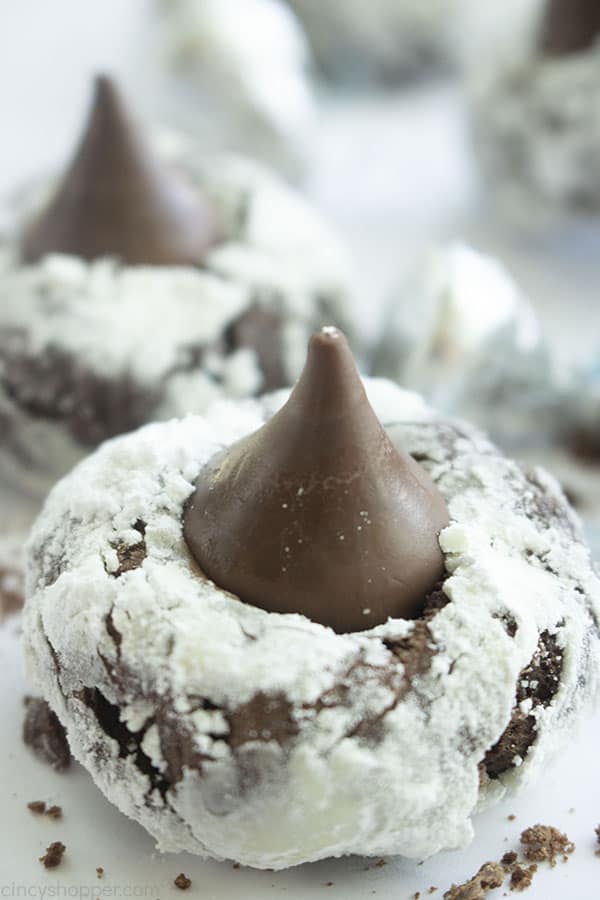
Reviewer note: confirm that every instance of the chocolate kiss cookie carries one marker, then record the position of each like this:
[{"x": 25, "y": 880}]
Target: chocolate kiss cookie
[
  {"x": 535, "y": 117},
  {"x": 76, "y": 365},
  {"x": 118, "y": 199},
  {"x": 569, "y": 26},
  {"x": 317, "y": 512},
  {"x": 267, "y": 738}
]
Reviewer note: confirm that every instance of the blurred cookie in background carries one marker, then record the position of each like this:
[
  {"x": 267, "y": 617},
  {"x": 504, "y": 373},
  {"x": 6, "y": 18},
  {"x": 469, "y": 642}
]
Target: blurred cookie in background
[
  {"x": 385, "y": 41},
  {"x": 145, "y": 283},
  {"x": 535, "y": 115},
  {"x": 239, "y": 78},
  {"x": 460, "y": 330}
]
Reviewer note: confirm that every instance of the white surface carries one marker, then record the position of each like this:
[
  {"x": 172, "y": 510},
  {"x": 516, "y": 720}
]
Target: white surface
[
  {"x": 394, "y": 174},
  {"x": 96, "y": 834}
]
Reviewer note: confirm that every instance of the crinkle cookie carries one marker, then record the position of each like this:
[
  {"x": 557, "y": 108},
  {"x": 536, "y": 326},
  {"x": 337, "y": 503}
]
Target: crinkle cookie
[
  {"x": 132, "y": 294},
  {"x": 239, "y": 77},
  {"x": 460, "y": 331},
  {"x": 384, "y": 40},
  {"x": 535, "y": 119},
  {"x": 232, "y": 725}
]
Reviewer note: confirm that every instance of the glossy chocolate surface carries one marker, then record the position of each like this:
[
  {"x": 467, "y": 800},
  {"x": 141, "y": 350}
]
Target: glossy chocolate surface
[
  {"x": 118, "y": 199},
  {"x": 569, "y": 26},
  {"x": 317, "y": 512}
]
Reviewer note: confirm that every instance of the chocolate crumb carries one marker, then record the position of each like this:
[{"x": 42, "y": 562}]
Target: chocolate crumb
[
  {"x": 235, "y": 866},
  {"x": 511, "y": 818},
  {"x": 182, "y": 882},
  {"x": 509, "y": 859},
  {"x": 53, "y": 855},
  {"x": 99, "y": 872},
  {"x": 45, "y": 735},
  {"x": 54, "y": 812},
  {"x": 544, "y": 843},
  {"x": 417, "y": 896},
  {"x": 521, "y": 878},
  {"x": 37, "y": 806},
  {"x": 490, "y": 875}
]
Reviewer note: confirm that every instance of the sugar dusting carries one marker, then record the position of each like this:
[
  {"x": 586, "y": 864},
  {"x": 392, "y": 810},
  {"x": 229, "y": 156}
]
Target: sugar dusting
[{"x": 513, "y": 549}]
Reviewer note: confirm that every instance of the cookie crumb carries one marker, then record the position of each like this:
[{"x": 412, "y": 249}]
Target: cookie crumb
[
  {"x": 182, "y": 882},
  {"x": 378, "y": 864},
  {"x": 37, "y": 806},
  {"x": 491, "y": 875},
  {"x": 509, "y": 859},
  {"x": 53, "y": 855},
  {"x": 432, "y": 890},
  {"x": 54, "y": 812},
  {"x": 544, "y": 843},
  {"x": 417, "y": 896},
  {"x": 328, "y": 884},
  {"x": 235, "y": 866},
  {"x": 521, "y": 878},
  {"x": 511, "y": 818},
  {"x": 99, "y": 872}
]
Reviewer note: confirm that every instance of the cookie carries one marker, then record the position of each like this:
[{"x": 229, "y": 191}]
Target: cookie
[
  {"x": 386, "y": 41},
  {"x": 534, "y": 116},
  {"x": 434, "y": 673},
  {"x": 146, "y": 287},
  {"x": 461, "y": 331}
]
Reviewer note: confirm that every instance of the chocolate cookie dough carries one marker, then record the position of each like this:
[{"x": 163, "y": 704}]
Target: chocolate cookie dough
[
  {"x": 151, "y": 282},
  {"x": 266, "y": 737}
]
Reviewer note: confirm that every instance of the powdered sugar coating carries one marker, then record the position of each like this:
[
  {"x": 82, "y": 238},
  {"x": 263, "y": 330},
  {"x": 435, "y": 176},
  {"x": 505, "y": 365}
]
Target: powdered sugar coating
[
  {"x": 537, "y": 130},
  {"x": 163, "y": 644},
  {"x": 162, "y": 329}
]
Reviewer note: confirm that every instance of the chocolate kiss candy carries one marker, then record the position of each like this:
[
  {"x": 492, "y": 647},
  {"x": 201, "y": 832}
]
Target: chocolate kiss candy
[
  {"x": 569, "y": 26},
  {"x": 117, "y": 199},
  {"x": 317, "y": 512}
]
